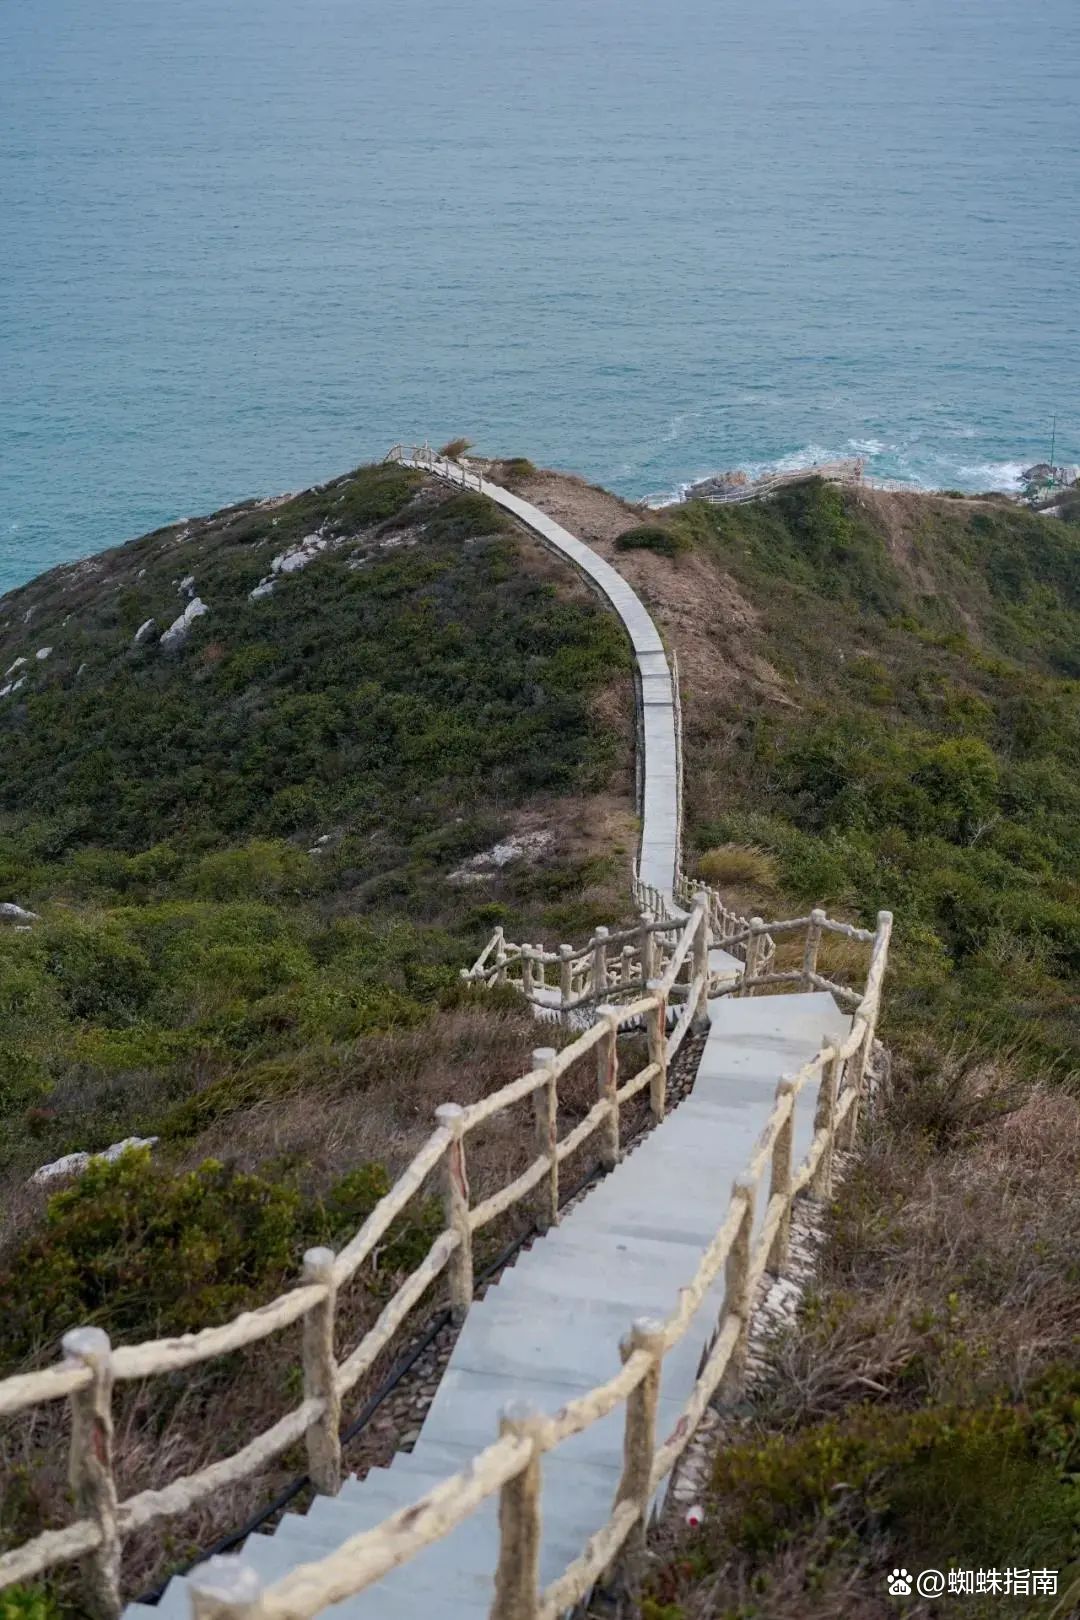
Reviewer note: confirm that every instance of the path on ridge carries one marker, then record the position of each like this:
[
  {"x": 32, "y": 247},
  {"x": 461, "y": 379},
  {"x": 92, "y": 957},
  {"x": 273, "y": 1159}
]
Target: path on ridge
[{"x": 660, "y": 776}]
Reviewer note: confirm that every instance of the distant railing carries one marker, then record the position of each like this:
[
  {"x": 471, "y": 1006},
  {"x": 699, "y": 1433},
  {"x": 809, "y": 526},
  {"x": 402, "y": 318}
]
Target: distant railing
[
  {"x": 227, "y": 1589},
  {"x": 609, "y": 966},
  {"x": 91, "y": 1366},
  {"x": 422, "y": 455}
]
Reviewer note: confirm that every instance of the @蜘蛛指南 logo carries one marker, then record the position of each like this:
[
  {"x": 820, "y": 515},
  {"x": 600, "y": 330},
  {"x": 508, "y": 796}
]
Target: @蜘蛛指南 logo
[{"x": 899, "y": 1583}]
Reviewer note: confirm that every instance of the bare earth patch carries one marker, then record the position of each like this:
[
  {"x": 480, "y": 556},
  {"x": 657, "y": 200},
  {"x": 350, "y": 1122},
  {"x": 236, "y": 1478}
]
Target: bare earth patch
[{"x": 700, "y": 613}]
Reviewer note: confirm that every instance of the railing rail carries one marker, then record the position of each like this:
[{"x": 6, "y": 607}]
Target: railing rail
[
  {"x": 611, "y": 965},
  {"x": 226, "y": 1589}
]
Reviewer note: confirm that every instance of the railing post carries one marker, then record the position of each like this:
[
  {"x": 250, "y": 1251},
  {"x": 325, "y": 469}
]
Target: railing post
[
  {"x": 91, "y": 1466},
  {"x": 599, "y": 969},
  {"x": 639, "y": 1442},
  {"x": 626, "y": 970},
  {"x": 546, "y": 1117},
  {"x": 647, "y": 948},
  {"x": 225, "y": 1588},
  {"x": 566, "y": 974},
  {"x": 526, "y": 970},
  {"x": 878, "y": 955},
  {"x": 500, "y": 956},
  {"x": 780, "y": 1181},
  {"x": 737, "y": 1292},
  {"x": 517, "y": 1578},
  {"x": 456, "y": 1205},
  {"x": 859, "y": 1060},
  {"x": 825, "y": 1119},
  {"x": 811, "y": 948},
  {"x": 657, "y": 1024},
  {"x": 320, "y": 1376},
  {"x": 607, "y": 1085},
  {"x": 753, "y": 952},
  {"x": 700, "y": 1020}
]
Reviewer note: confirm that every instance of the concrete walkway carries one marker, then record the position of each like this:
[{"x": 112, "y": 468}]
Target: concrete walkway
[{"x": 660, "y": 791}]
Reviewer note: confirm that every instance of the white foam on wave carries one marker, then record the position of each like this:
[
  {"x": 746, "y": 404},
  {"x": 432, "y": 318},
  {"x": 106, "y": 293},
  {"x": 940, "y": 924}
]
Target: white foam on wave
[
  {"x": 868, "y": 447},
  {"x": 911, "y": 464},
  {"x": 1004, "y": 475}
]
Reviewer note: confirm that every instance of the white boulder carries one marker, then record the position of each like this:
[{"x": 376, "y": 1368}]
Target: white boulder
[
  {"x": 144, "y": 632},
  {"x": 9, "y": 912},
  {"x": 75, "y": 1163},
  {"x": 177, "y": 633}
]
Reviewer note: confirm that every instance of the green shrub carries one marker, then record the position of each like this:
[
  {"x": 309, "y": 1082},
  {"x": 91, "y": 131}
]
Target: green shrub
[
  {"x": 455, "y": 448},
  {"x": 139, "y": 1251},
  {"x": 28, "y": 1603},
  {"x": 261, "y": 870},
  {"x": 142, "y": 1251},
  {"x": 666, "y": 542},
  {"x": 950, "y": 1485},
  {"x": 514, "y": 469}
]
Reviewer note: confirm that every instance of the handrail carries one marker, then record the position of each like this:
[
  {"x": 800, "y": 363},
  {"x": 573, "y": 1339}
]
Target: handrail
[
  {"x": 230, "y": 1590},
  {"x": 599, "y": 971}
]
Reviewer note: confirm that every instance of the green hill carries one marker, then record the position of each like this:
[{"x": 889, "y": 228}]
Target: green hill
[{"x": 243, "y": 831}]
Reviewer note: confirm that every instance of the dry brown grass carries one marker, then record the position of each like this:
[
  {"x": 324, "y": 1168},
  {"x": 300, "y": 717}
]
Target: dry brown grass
[
  {"x": 743, "y": 864},
  {"x": 797, "y": 1586},
  {"x": 947, "y": 1280},
  {"x": 950, "y": 1265}
]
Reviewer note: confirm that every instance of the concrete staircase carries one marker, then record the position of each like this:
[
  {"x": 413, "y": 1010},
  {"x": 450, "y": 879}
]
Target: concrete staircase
[{"x": 550, "y": 1330}]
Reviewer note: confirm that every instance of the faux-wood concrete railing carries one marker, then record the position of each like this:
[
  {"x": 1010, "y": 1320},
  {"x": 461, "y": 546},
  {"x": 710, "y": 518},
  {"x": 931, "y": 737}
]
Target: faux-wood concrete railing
[
  {"x": 91, "y": 1365},
  {"x": 227, "y": 1589},
  {"x": 625, "y": 962},
  {"x": 620, "y": 963}
]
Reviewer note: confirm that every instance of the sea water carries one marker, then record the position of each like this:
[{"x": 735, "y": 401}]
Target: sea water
[{"x": 246, "y": 244}]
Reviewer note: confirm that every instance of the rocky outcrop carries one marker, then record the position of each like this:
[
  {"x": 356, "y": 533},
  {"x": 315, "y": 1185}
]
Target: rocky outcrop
[
  {"x": 11, "y": 913},
  {"x": 73, "y": 1164},
  {"x": 177, "y": 633},
  {"x": 1043, "y": 473}
]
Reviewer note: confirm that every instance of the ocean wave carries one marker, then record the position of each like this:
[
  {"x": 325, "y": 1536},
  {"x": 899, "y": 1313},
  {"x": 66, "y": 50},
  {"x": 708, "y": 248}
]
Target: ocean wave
[
  {"x": 1003, "y": 475},
  {"x": 922, "y": 468}
]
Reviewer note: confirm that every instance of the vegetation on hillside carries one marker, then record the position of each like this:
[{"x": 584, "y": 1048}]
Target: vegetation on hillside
[
  {"x": 916, "y": 747},
  {"x": 241, "y": 849},
  {"x": 921, "y": 752}
]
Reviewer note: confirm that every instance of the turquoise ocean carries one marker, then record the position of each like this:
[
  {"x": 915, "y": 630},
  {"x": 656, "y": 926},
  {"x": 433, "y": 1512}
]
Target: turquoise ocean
[{"x": 245, "y": 244}]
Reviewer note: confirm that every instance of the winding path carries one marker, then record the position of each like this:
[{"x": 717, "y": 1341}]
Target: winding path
[
  {"x": 548, "y": 1331},
  {"x": 660, "y": 791}
]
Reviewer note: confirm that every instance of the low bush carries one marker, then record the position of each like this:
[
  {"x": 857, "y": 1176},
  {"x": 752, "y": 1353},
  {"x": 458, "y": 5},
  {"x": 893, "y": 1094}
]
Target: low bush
[
  {"x": 654, "y": 537},
  {"x": 141, "y": 1251},
  {"x": 514, "y": 469},
  {"x": 952, "y": 1485},
  {"x": 455, "y": 448}
]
